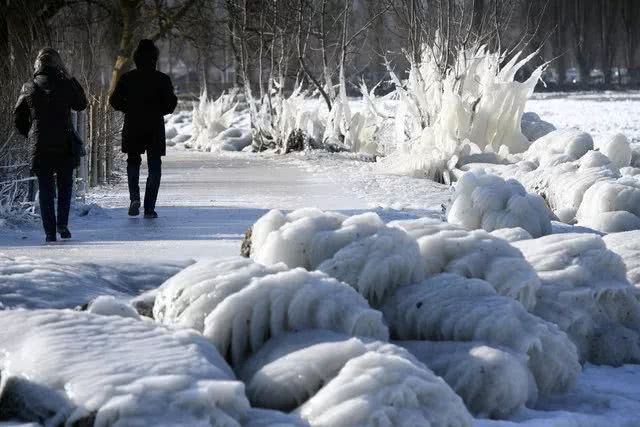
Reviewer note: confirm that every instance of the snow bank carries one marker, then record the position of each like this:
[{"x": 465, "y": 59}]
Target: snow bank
[
  {"x": 474, "y": 254},
  {"x": 288, "y": 301},
  {"x": 45, "y": 283},
  {"x": 487, "y": 201},
  {"x": 378, "y": 389},
  {"x": 492, "y": 382},
  {"x": 107, "y": 370},
  {"x": 107, "y": 305},
  {"x": 585, "y": 292},
  {"x": 452, "y": 308},
  {"x": 627, "y": 246}
]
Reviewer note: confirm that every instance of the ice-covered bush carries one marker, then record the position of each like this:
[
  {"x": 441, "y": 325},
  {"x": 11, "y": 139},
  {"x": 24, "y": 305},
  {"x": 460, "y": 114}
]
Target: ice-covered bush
[
  {"x": 472, "y": 107},
  {"x": 240, "y": 310},
  {"x": 384, "y": 390},
  {"x": 212, "y": 120},
  {"x": 585, "y": 292},
  {"x": 449, "y": 307},
  {"x": 627, "y": 246},
  {"x": 492, "y": 382},
  {"x": 362, "y": 252},
  {"x": 487, "y": 201},
  {"x": 474, "y": 254},
  {"x": 65, "y": 367}
]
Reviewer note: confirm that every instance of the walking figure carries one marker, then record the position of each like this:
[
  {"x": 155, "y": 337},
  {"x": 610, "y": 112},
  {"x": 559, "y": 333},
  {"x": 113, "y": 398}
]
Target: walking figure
[
  {"x": 43, "y": 115},
  {"x": 144, "y": 95}
]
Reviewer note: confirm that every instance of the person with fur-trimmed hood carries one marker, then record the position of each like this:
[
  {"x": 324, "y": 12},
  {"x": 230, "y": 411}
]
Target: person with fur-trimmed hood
[
  {"x": 144, "y": 95},
  {"x": 43, "y": 115}
]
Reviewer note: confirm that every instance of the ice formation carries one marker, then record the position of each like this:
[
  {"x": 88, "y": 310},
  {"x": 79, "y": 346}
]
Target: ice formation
[
  {"x": 189, "y": 296},
  {"x": 289, "y": 301},
  {"x": 378, "y": 389},
  {"x": 473, "y": 254},
  {"x": 492, "y": 382},
  {"x": 449, "y": 307},
  {"x": 578, "y": 183},
  {"x": 375, "y": 259},
  {"x": 627, "y": 246},
  {"x": 585, "y": 292},
  {"x": 475, "y": 106},
  {"x": 62, "y": 367},
  {"x": 376, "y": 265},
  {"x": 307, "y": 237},
  {"x": 212, "y": 121},
  {"x": 489, "y": 202},
  {"x": 239, "y": 305}
]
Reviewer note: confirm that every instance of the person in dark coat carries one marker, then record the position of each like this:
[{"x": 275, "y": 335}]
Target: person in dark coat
[
  {"x": 43, "y": 115},
  {"x": 144, "y": 95}
]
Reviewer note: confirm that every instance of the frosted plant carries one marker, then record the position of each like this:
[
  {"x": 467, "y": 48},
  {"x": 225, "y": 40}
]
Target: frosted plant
[
  {"x": 443, "y": 117},
  {"x": 189, "y": 296},
  {"x": 293, "y": 300},
  {"x": 211, "y": 122},
  {"x": 378, "y": 389},
  {"x": 474, "y": 254},
  {"x": 64, "y": 367},
  {"x": 448, "y": 307},
  {"x": 585, "y": 292},
  {"x": 492, "y": 382},
  {"x": 627, "y": 246},
  {"x": 489, "y": 202}
]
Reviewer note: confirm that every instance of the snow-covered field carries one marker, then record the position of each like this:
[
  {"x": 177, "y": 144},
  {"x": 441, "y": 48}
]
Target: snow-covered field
[{"x": 270, "y": 334}]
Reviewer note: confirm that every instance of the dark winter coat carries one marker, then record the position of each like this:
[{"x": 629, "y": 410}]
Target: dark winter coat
[
  {"x": 43, "y": 113},
  {"x": 144, "y": 95}
]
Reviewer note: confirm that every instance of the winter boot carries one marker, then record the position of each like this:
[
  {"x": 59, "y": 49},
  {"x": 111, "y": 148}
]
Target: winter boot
[
  {"x": 50, "y": 237},
  {"x": 150, "y": 214},
  {"x": 64, "y": 232},
  {"x": 134, "y": 208}
]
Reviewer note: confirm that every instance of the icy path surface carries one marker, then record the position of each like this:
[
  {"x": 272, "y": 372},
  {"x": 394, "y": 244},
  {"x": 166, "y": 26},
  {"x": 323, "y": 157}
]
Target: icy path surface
[{"x": 206, "y": 203}]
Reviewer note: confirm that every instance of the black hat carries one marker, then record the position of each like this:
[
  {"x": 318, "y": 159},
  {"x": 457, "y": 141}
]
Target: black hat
[{"x": 146, "y": 54}]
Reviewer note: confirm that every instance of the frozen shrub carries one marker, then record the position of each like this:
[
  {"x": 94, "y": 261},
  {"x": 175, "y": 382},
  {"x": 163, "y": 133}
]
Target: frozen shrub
[
  {"x": 627, "y": 246},
  {"x": 104, "y": 371},
  {"x": 378, "y": 389},
  {"x": 294, "y": 300},
  {"x": 474, "y": 106},
  {"x": 449, "y": 307},
  {"x": 492, "y": 382},
  {"x": 189, "y": 296},
  {"x": 474, "y": 254},
  {"x": 489, "y": 202},
  {"x": 211, "y": 122},
  {"x": 585, "y": 292}
]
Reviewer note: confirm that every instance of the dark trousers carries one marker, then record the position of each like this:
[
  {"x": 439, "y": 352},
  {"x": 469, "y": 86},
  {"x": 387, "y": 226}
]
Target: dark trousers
[
  {"x": 153, "y": 180},
  {"x": 51, "y": 176}
]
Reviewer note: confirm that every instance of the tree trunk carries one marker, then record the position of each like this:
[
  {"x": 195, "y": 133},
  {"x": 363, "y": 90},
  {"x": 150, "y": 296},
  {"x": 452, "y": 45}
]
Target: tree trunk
[{"x": 128, "y": 11}]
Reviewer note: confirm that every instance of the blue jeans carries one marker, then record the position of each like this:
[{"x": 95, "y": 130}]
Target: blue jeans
[
  {"x": 153, "y": 180},
  {"x": 52, "y": 176}
]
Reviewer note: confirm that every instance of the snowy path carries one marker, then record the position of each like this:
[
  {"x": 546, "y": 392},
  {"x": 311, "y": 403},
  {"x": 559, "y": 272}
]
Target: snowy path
[{"x": 206, "y": 203}]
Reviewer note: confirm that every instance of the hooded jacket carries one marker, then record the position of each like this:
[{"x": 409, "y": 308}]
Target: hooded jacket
[
  {"x": 43, "y": 113},
  {"x": 144, "y": 95}
]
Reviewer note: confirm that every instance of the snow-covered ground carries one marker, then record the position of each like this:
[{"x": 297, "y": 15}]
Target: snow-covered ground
[{"x": 207, "y": 201}]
